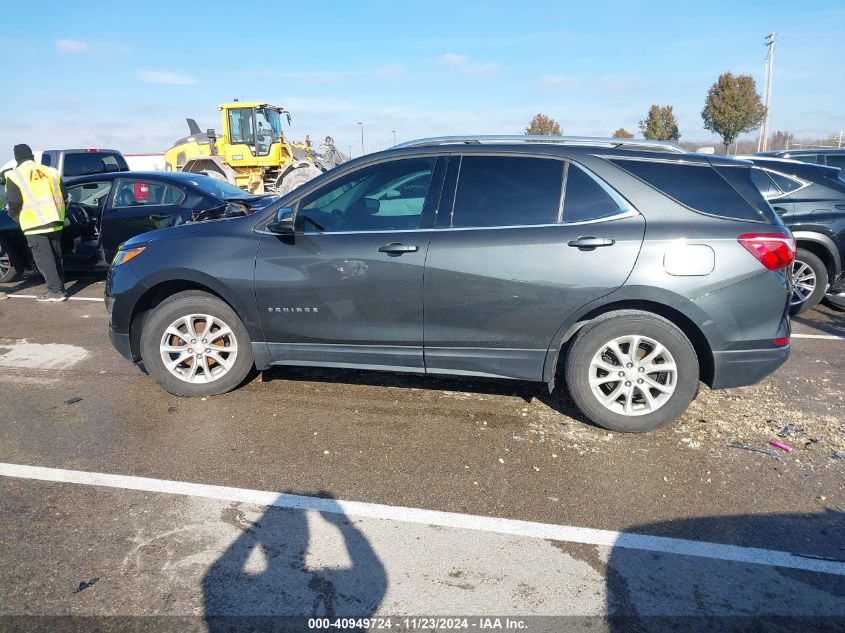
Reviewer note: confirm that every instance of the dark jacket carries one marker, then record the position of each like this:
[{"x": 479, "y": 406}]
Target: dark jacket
[{"x": 14, "y": 198}]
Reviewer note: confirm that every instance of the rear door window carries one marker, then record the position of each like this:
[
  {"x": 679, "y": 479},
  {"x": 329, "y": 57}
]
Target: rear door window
[
  {"x": 507, "y": 191},
  {"x": 138, "y": 193},
  {"x": 586, "y": 199},
  {"x": 784, "y": 183},
  {"x": 701, "y": 187},
  {"x": 764, "y": 183}
]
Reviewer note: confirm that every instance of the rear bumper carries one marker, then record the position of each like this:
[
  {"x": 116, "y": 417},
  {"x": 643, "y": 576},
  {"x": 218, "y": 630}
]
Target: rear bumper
[
  {"x": 739, "y": 368},
  {"x": 121, "y": 344}
]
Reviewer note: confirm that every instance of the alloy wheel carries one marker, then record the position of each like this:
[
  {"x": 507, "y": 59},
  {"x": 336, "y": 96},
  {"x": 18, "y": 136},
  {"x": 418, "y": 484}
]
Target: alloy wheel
[
  {"x": 5, "y": 262},
  {"x": 633, "y": 375},
  {"x": 198, "y": 348},
  {"x": 803, "y": 282}
]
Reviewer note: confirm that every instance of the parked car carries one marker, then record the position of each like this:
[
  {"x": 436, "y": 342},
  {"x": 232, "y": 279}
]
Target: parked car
[
  {"x": 638, "y": 272},
  {"x": 832, "y": 157},
  {"x": 810, "y": 200},
  {"x": 106, "y": 209}
]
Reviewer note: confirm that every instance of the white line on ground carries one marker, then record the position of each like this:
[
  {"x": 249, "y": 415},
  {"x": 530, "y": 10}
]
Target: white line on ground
[
  {"x": 20, "y": 296},
  {"x": 530, "y": 529},
  {"x": 826, "y": 337}
]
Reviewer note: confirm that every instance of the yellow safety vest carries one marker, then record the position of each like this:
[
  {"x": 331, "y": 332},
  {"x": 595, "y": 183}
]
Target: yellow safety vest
[{"x": 43, "y": 205}]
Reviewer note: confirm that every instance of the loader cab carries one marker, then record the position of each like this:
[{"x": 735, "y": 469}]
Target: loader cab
[{"x": 256, "y": 126}]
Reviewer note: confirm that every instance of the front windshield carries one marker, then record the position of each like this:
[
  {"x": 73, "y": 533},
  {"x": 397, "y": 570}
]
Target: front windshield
[{"x": 217, "y": 188}]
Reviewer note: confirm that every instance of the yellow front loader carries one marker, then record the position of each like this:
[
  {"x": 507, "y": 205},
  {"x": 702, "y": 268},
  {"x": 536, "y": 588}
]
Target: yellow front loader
[{"x": 252, "y": 152}]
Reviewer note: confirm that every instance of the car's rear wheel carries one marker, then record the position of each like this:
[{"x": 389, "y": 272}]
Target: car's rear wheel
[
  {"x": 809, "y": 281},
  {"x": 9, "y": 266},
  {"x": 632, "y": 371},
  {"x": 194, "y": 344}
]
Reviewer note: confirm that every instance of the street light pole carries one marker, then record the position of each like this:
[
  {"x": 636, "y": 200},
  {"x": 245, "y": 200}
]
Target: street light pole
[
  {"x": 763, "y": 143},
  {"x": 362, "y": 137},
  {"x": 394, "y": 136}
]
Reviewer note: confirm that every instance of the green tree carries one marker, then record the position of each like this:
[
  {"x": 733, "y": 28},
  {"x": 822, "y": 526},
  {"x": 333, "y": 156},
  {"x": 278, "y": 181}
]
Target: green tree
[
  {"x": 622, "y": 133},
  {"x": 660, "y": 124},
  {"x": 733, "y": 107},
  {"x": 542, "y": 124}
]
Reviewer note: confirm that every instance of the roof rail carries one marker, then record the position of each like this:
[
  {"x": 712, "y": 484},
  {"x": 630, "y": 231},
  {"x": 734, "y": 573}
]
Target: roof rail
[{"x": 590, "y": 141}]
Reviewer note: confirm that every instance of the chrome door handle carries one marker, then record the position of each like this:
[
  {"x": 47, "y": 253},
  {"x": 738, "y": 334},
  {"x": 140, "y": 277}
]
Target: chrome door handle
[
  {"x": 397, "y": 249},
  {"x": 589, "y": 243}
]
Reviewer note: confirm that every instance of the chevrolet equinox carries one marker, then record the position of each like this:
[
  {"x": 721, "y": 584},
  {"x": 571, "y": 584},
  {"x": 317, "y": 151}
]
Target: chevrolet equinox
[{"x": 636, "y": 268}]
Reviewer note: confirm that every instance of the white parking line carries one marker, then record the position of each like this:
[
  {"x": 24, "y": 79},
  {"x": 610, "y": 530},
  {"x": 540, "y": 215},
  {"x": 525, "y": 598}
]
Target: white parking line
[
  {"x": 548, "y": 531},
  {"x": 20, "y": 296},
  {"x": 826, "y": 337}
]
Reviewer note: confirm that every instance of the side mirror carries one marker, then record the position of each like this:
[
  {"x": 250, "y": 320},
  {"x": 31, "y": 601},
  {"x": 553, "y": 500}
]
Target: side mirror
[{"x": 283, "y": 222}]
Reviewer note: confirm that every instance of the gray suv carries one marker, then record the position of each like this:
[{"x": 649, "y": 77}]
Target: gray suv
[{"x": 636, "y": 269}]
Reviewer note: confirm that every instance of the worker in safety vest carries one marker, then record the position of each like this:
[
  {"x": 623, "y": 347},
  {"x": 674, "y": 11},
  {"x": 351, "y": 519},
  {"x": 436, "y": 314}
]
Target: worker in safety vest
[{"x": 36, "y": 198}]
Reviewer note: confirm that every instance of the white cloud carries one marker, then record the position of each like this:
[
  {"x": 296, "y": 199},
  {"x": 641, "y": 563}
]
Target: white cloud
[
  {"x": 463, "y": 65},
  {"x": 72, "y": 47},
  {"x": 553, "y": 81},
  {"x": 164, "y": 77}
]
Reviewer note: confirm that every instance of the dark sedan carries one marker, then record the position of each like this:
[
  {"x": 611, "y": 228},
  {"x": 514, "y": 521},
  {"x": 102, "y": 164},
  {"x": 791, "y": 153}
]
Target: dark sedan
[{"x": 104, "y": 210}]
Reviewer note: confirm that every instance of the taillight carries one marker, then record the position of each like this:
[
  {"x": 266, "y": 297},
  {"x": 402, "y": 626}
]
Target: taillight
[
  {"x": 780, "y": 342},
  {"x": 773, "y": 250}
]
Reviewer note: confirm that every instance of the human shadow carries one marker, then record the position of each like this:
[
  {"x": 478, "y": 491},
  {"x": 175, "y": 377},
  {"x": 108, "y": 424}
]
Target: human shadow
[
  {"x": 74, "y": 282},
  {"x": 276, "y": 575},
  {"x": 658, "y": 590}
]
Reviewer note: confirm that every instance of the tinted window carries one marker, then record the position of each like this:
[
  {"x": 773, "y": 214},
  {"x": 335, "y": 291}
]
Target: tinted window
[
  {"x": 136, "y": 193},
  {"x": 507, "y": 191},
  {"x": 784, "y": 184},
  {"x": 836, "y": 161},
  {"x": 585, "y": 199},
  {"x": 700, "y": 187},
  {"x": 84, "y": 163},
  {"x": 47, "y": 159},
  {"x": 805, "y": 158},
  {"x": 390, "y": 196},
  {"x": 764, "y": 184}
]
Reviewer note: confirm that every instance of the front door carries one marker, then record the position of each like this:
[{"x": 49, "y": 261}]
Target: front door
[
  {"x": 81, "y": 234},
  {"x": 346, "y": 288},
  {"x": 516, "y": 257},
  {"x": 138, "y": 206}
]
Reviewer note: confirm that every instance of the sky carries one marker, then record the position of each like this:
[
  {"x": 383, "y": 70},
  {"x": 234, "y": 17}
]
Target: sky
[{"x": 126, "y": 74}]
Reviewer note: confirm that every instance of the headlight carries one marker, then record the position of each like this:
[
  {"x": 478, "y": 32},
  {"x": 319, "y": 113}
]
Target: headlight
[{"x": 124, "y": 256}]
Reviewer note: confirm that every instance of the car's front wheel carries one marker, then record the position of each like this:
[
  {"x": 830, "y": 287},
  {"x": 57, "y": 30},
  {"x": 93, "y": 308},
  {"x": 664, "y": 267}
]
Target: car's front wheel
[
  {"x": 809, "y": 281},
  {"x": 194, "y": 344},
  {"x": 632, "y": 371}
]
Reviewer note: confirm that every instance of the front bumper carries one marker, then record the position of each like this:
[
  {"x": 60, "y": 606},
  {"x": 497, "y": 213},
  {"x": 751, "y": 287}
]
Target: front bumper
[
  {"x": 740, "y": 368},
  {"x": 122, "y": 344}
]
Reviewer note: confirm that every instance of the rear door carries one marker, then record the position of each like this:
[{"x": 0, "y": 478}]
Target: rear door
[
  {"x": 522, "y": 244},
  {"x": 137, "y": 206}
]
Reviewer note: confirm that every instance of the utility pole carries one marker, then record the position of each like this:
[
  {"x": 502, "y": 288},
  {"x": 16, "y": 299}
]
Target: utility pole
[
  {"x": 840, "y": 137},
  {"x": 394, "y": 137},
  {"x": 769, "y": 42},
  {"x": 362, "y": 137}
]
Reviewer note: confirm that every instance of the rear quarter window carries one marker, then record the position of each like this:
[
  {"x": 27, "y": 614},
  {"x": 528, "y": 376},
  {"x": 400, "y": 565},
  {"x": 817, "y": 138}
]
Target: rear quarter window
[{"x": 703, "y": 188}]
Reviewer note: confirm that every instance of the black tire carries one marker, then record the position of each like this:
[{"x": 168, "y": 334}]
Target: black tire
[
  {"x": 593, "y": 337},
  {"x": 184, "y": 304},
  {"x": 10, "y": 266},
  {"x": 820, "y": 271}
]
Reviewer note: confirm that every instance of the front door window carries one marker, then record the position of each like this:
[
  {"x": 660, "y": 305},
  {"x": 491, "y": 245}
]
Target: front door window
[{"x": 386, "y": 197}]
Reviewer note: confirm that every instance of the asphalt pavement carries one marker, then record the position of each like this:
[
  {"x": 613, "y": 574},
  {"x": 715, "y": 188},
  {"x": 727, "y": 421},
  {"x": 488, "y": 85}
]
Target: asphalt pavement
[{"x": 312, "y": 492}]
